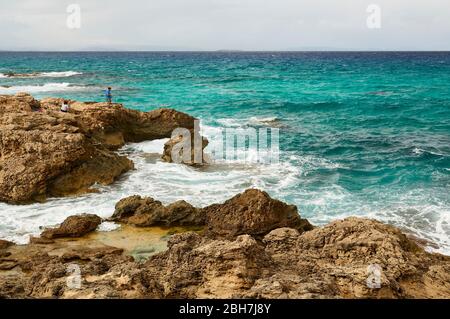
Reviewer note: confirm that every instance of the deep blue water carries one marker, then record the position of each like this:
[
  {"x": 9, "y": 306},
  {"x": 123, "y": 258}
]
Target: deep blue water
[{"x": 363, "y": 134}]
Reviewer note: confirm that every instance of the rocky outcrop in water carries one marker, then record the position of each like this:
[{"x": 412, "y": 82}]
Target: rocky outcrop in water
[
  {"x": 350, "y": 258},
  {"x": 253, "y": 213},
  {"x": 144, "y": 212},
  {"x": 73, "y": 226},
  {"x": 45, "y": 152},
  {"x": 193, "y": 155}
]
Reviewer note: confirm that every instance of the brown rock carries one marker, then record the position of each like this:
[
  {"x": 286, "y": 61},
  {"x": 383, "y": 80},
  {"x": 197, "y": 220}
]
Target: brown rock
[
  {"x": 252, "y": 212},
  {"x": 316, "y": 264},
  {"x": 146, "y": 211},
  {"x": 112, "y": 122},
  {"x": 40, "y": 240},
  {"x": 334, "y": 261},
  {"x": 74, "y": 226},
  {"x": 51, "y": 153},
  {"x": 171, "y": 146},
  {"x": 195, "y": 267},
  {"x": 5, "y": 244}
]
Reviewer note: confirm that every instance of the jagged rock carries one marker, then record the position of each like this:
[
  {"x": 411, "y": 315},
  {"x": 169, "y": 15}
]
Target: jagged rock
[
  {"x": 192, "y": 159},
  {"x": 45, "y": 152},
  {"x": 195, "y": 267},
  {"x": 74, "y": 226},
  {"x": 316, "y": 264},
  {"x": 113, "y": 124},
  {"x": 339, "y": 259},
  {"x": 146, "y": 211},
  {"x": 252, "y": 212},
  {"x": 18, "y": 103},
  {"x": 344, "y": 259}
]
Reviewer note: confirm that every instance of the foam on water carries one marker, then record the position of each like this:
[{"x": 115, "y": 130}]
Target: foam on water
[
  {"x": 362, "y": 134},
  {"x": 170, "y": 182},
  {"x": 48, "y": 87},
  {"x": 61, "y": 74},
  {"x": 167, "y": 182}
]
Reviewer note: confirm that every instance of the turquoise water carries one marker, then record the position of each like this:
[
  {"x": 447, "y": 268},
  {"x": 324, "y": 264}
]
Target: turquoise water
[{"x": 364, "y": 134}]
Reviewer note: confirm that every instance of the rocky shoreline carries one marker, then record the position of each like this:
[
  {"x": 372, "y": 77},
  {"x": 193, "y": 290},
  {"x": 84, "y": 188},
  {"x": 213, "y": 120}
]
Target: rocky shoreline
[
  {"x": 49, "y": 153},
  {"x": 250, "y": 246}
]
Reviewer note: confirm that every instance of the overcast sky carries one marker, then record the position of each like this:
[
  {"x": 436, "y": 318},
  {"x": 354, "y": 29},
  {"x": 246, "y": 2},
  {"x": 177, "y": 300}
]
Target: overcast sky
[{"x": 224, "y": 24}]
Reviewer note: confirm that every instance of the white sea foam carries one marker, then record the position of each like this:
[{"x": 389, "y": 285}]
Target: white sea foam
[
  {"x": 108, "y": 226},
  {"x": 263, "y": 120},
  {"x": 48, "y": 87},
  {"x": 167, "y": 182},
  {"x": 60, "y": 74},
  {"x": 170, "y": 182}
]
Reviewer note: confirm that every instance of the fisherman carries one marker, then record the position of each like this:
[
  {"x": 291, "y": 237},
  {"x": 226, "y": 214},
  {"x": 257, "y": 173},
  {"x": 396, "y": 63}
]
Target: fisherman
[{"x": 108, "y": 95}]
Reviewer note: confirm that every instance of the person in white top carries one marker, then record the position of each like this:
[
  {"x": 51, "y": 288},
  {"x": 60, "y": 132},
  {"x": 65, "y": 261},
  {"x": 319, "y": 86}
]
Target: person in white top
[{"x": 65, "y": 106}]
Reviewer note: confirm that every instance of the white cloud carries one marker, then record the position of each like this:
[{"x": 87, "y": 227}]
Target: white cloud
[{"x": 225, "y": 24}]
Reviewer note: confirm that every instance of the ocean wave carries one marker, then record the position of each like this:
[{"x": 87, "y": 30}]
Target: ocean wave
[
  {"x": 286, "y": 180},
  {"x": 48, "y": 87},
  {"x": 419, "y": 151},
  {"x": 53, "y": 74},
  {"x": 254, "y": 121}
]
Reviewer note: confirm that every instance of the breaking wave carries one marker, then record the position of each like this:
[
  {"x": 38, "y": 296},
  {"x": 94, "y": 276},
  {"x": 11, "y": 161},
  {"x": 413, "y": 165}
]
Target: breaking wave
[
  {"x": 48, "y": 87},
  {"x": 53, "y": 74}
]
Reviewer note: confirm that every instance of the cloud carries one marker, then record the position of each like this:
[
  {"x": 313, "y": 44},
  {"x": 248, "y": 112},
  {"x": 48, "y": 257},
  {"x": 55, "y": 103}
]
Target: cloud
[{"x": 224, "y": 24}]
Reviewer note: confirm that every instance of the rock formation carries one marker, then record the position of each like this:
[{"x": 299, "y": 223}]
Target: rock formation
[
  {"x": 287, "y": 258},
  {"x": 73, "y": 226},
  {"x": 173, "y": 146},
  {"x": 253, "y": 213},
  {"x": 45, "y": 152},
  {"x": 142, "y": 212}
]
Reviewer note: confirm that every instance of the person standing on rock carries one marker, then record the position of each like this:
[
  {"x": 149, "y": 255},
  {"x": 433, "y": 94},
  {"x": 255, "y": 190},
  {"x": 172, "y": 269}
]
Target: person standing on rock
[{"x": 108, "y": 95}]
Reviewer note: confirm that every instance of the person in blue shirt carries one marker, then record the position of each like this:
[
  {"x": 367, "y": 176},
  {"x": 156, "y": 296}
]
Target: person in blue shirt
[{"x": 108, "y": 95}]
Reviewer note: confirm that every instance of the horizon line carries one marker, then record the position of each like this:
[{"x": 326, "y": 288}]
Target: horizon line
[{"x": 221, "y": 51}]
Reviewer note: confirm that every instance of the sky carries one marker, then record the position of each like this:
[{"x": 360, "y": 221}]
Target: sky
[{"x": 264, "y": 25}]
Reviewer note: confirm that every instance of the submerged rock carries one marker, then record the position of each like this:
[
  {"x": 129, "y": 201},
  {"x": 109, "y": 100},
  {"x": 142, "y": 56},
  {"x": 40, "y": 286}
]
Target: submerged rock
[
  {"x": 73, "y": 226},
  {"x": 45, "y": 152}
]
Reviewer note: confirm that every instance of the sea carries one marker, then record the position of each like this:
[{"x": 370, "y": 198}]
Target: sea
[{"x": 360, "y": 133}]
